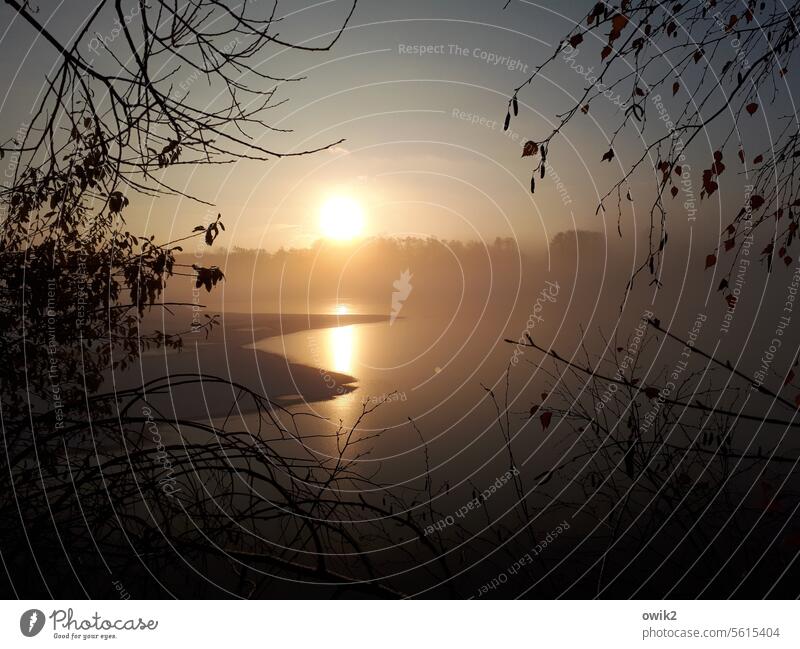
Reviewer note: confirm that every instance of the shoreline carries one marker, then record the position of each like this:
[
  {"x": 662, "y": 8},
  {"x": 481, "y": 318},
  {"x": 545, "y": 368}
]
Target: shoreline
[{"x": 230, "y": 351}]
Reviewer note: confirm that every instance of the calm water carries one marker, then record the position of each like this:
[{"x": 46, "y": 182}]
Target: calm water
[{"x": 431, "y": 369}]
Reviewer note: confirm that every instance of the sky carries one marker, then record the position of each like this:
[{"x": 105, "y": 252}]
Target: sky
[{"x": 418, "y": 90}]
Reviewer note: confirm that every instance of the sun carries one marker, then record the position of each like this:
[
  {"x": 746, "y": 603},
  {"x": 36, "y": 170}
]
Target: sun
[{"x": 341, "y": 218}]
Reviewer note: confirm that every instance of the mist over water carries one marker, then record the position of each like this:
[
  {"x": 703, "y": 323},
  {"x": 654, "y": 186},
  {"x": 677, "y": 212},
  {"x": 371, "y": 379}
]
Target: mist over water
[{"x": 440, "y": 357}]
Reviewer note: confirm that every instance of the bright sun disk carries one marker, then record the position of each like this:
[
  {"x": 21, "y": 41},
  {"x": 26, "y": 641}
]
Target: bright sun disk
[{"x": 341, "y": 218}]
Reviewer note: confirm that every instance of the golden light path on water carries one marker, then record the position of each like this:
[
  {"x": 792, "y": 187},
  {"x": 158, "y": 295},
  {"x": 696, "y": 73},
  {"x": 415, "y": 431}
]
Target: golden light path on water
[{"x": 341, "y": 344}]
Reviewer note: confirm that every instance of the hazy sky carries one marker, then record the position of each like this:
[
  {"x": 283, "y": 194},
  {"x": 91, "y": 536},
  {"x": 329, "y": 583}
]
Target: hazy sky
[{"x": 425, "y": 152}]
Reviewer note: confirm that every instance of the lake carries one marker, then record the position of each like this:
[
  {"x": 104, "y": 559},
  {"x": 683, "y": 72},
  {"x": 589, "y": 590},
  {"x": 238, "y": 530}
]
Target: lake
[{"x": 430, "y": 369}]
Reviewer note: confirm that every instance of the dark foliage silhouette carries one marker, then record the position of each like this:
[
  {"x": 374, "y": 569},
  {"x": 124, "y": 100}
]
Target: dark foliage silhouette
[
  {"x": 103, "y": 485},
  {"x": 696, "y": 79}
]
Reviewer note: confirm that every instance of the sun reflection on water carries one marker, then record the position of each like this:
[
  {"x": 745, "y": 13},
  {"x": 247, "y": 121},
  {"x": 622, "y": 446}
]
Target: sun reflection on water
[{"x": 342, "y": 343}]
